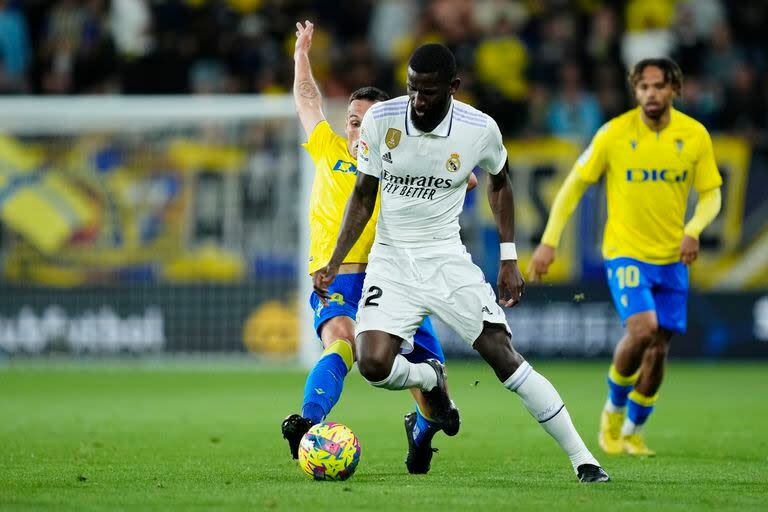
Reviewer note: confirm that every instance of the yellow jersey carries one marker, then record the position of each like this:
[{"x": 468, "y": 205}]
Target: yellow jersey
[
  {"x": 335, "y": 175},
  {"x": 648, "y": 177}
]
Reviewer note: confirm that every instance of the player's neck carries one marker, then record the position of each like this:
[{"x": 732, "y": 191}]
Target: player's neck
[{"x": 658, "y": 124}]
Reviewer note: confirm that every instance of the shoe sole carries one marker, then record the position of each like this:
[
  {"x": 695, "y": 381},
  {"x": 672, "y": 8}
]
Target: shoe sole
[
  {"x": 601, "y": 480},
  {"x": 452, "y": 422}
]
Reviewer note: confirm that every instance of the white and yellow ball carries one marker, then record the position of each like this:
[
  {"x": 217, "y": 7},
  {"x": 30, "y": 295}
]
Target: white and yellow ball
[{"x": 329, "y": 451}]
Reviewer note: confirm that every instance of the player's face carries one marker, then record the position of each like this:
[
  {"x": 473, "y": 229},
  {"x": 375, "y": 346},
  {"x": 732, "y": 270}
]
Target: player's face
[
  {"x": 355, "y": 112},
  {"x": 653, "y": 93},
  {"x": 430, "y": 98}
]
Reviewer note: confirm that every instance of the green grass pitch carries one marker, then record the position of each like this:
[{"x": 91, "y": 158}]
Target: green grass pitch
[{"x": 139, "y": 437}]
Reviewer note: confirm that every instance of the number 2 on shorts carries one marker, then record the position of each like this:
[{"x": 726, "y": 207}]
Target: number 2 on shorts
[{"x": 374, "y": 292}]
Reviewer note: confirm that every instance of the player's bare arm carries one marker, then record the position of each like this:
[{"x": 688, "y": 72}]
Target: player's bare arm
[
  {"x": 510, "y": 282},
  {"x": 306, "y": 94},
  {"x": 356, "y": 215}
]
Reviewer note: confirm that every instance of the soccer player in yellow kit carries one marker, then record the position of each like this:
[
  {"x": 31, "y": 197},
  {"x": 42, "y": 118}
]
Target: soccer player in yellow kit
[
  {"x": 651, "y": 156},
  {"x": 335, "y": 159}
]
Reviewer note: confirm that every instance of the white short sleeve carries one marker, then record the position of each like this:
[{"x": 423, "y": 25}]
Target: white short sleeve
[
  {"x": 368, "y": 157},
  {"x": 493, "y": 154}
]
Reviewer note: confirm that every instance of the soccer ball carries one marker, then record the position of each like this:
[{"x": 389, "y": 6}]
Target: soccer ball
[{"x": 329, "y": 451}]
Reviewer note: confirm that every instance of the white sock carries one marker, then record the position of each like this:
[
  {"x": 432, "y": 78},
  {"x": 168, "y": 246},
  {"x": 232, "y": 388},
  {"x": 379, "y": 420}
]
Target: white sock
[
  {"x": 544, "y": 403},
  {"x": 609, "y": 407},
  {"x": 407, "y": 375},
  {"x": 629, "y": 427}
]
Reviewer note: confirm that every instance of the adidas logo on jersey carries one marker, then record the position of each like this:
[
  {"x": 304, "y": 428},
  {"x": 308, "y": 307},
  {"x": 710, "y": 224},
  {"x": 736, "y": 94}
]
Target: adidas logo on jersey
[{"x": 387, "y": 157}]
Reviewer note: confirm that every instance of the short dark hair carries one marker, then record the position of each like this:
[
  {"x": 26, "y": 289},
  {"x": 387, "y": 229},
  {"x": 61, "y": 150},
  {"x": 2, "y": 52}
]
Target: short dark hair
[
  {"x": 434, "y": 58},
  {"x": 673, "y": 75},
  {"x": 369, "y": 93}
]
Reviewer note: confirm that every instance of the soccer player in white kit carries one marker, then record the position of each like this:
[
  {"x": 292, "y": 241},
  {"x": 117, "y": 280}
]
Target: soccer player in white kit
[{"x": 420, "y": 149}]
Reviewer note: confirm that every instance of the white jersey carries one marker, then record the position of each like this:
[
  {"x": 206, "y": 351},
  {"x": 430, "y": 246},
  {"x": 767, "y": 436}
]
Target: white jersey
[{"x": 423, "y": 176}]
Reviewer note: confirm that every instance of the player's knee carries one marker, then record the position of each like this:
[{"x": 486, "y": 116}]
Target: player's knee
[
  {"x": 374, "y": 369},
  {"x": 643, "y": 330},
  {"x": 338, "y": 328}
]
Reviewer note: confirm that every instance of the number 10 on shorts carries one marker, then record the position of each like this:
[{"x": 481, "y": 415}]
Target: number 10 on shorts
[{"x": 628, "y": 277}]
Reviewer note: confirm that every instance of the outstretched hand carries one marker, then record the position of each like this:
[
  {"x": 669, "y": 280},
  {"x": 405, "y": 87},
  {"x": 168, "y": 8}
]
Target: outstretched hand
[
  {"x": 304, "y": 36},
  {"x": 542, "y": 258},
  {"x": 322, "y": 280},
  {"x": 510, "y": 284}
]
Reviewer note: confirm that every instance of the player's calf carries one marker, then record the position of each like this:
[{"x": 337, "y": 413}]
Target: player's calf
[{"x": 538, "y": 395}]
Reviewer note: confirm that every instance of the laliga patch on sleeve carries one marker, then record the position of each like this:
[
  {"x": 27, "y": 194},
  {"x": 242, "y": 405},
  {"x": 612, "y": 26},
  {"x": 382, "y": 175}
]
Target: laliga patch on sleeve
[{"x": 364, "y": 151}]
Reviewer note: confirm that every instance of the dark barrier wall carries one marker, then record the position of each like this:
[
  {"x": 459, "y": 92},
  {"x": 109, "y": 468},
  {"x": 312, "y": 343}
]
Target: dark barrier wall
[
  {"x": 573, "y": 321},
  {"x": 553, "y": 321}
]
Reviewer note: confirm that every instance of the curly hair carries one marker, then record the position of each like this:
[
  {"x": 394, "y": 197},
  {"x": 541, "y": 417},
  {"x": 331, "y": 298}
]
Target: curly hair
[{"x": 672, "y": 73}]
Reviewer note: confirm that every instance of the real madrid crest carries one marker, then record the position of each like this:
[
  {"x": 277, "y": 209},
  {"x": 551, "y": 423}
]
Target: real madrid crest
[{"x": 453, "y": 164}]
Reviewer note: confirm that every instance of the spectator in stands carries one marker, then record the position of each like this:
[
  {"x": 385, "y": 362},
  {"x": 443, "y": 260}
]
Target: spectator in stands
[
  {"x": 574, "y": 113},
  {"x": 603, "y": 45},
  {"x": 511, "y": 53},
  {"x": 14, "y": 49},
  {"x": 744, "y": 111},
  {"x": 723, "y": 57},
  {"x": 500, "y": 69},
  {"x": 648, "y": 31}
]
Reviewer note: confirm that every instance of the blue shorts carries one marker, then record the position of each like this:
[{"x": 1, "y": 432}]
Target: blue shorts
[
  {"x": 345, "y": 294},
  {"x": 637, "y": 286}
]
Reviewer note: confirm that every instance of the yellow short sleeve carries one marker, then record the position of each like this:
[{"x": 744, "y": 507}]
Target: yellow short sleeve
[
  {"x": 319, "y": 140},
  {"x": 706, "y": 176}
]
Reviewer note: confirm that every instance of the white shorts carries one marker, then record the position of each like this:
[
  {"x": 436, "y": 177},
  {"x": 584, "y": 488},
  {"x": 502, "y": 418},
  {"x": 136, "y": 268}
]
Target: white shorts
[{"x": 402, "y": 286}]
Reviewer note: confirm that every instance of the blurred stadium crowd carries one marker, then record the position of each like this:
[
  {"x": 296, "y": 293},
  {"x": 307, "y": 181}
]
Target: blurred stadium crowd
[
  {"x": 199, "y": 222},
  {"x": 203, "y": 201},
  {"x": 541, "y": 66}
]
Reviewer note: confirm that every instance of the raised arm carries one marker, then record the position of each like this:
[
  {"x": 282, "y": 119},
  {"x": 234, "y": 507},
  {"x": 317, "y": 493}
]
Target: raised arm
[
  {"x": 306, "y": 94},
  {"x": 510, "y": 282},
  {"x": 356, "y": 215}
]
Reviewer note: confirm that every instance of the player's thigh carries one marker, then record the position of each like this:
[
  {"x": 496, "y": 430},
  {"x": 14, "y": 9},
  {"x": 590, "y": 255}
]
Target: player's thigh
[
  {"x": 335, "y": 319},
  {"x": 630, "y": 285},
  {"x": 390, "y": 306},
  {"x": 460, "y": 297},
  {"x": 426, "y": 344},
  {"x": 672, "y": 298}
]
